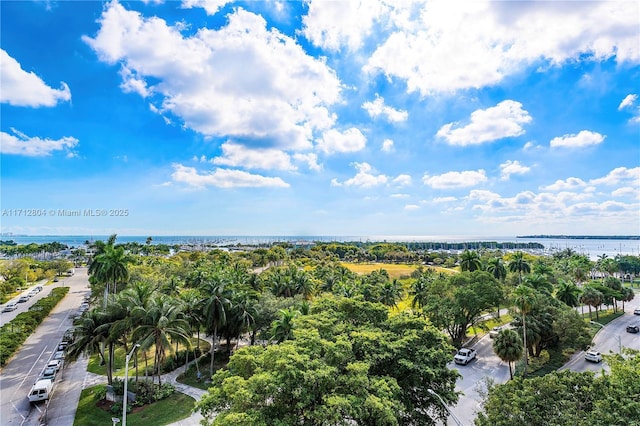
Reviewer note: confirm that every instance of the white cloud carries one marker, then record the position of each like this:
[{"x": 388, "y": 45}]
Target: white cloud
[
  {"x": 437, "y": 46},
  {"x": 236, "y": 155},
  {"x": 582, "y": 139},
  {"x": 22, "y": 88},
  {"x": 332, "y": 24},
  {"x": 487, "y": 125},
  {"x": 402, "y": 180},
  {"x": 223, "y": 178},
  {"x": 455, "y": 179},
  {"x": 411, "y": 207},
  {"x": 628, "y": 102},
  {"x": 365, "y": 178},
  {"x": 627, "y": 192},
  {"x": 387, "y": 145},
  {"x": 571, "y": 183},
  {"x": 618, "y": 175},
  {"x": 377, "y": 108},
  {"x": 21, "y": 144},
  {"x": 439, "y": 200},
  {"x": 310, "y": 159},
  {"x": 509, "y": 168},
  {"x": 351, "y": 140},
  {"x": 244, "y": 80},
  {"x": 210, "y": 6},
  {"x": 400, "y": 195},
  {"x": 131, "y": 83}
]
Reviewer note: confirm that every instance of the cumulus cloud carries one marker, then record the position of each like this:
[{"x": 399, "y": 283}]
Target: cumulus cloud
[
  {"x": 439, "y": 200},
  {"x": 365, "y": 178},
  {"x": 571, "y": 183},
  {"x": 627, "y": 192},
  {"x": 223, "y": 178},
  {"x": 210, "y": 6},
  {"x": 21, "y": 144},
  {"x": 244, "y": 81},
  {"x": 628, "y": 102},
  {"x": 310, "y": 159},
  {"x": 387, "y": 145},
  {"x": 451, "y": 180},
  {"x": 22, "y": 88},
  {"x": 351, "y": 140},
  {"x": 580, "y": 140},
  {"x": 332, "y": 24},
  {"x": 402, "y": 180},
  {"x": 449, "y": 46},
  {"x": 509, "y": 168},
  {"x": 377, "y": 108},
  {"x": 487, "y": 125},
  {"x": 236, "y": 155},
  {"x": 619, "y": 175}
]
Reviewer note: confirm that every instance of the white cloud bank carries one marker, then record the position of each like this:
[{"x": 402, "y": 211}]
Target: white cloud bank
[
  {"x": 452, "y": 180},
  {"x": 22, "y": 88},
  {"x": 244, "y": 80},
  {"x": 487, "y": 125},
  {"x": 223, "y": 178},
  {"x": 21, "y": 144},
  {"x": 582, "y": 139}
]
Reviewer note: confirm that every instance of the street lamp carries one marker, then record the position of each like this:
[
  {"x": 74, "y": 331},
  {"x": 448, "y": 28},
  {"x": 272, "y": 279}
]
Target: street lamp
[
  {"x": 444, "y": 404},
  {"x": 126, "y": 382}
]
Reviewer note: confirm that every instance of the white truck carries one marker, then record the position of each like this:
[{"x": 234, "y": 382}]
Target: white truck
[
  {"x": 464, "y": 356},
  {"x": 41, "y": 391}
]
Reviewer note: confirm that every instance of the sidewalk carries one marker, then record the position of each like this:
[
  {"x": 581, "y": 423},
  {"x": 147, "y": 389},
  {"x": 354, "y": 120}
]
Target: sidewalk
[{"x": 92, "y": 379}]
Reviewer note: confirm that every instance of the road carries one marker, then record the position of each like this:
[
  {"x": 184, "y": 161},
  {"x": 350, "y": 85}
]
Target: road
[
  {"x": 5, "y": 317},
  {"x": 22, "y": 371},
  {"x": 609, "y": 339}
]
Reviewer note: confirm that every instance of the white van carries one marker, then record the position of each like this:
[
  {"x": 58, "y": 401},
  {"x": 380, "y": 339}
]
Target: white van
[{"x": 41, "y": 390}]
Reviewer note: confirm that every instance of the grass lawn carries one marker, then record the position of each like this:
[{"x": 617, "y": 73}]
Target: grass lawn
[
  {"x": 394, "y": 270},
  {"x": 177, "y": 407},
  {"x": 120, "y": 355}
]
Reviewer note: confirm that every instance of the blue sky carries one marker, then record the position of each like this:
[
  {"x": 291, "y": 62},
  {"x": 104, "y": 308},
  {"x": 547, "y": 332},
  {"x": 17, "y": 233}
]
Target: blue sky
[{"x": 414, "y": 118}]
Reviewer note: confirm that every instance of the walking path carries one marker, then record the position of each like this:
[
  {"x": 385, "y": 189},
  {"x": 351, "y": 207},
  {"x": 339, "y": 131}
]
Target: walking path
[{"x": 92, "y": 379}]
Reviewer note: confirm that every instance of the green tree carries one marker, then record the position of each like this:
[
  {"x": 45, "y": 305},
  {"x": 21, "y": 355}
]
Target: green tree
[
  {"x": 519, "y": 264},
  {"x": 524, "y": 298},
  {"x": 282, "y": 328},
  {"x": 509, "y": 347},
  {"x": 591, "y": 297},
  {"x": 470, "y": 261},
  {"x": 496, "y": 268},
  {"x": 215, "y": 305},
  {"x": 568, "y": 293}
]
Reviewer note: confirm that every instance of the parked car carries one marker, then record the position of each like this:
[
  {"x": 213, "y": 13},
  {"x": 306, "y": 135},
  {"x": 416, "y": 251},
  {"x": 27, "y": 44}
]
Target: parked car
[
  {"x": 23, "y": 298},
  {"x": 593, "y": 356},
  {"x": 633, "y": 328},
  {"x": 636, "y": 311},
  {"x": 40, "y": 391},
  {"x": 11, "y": 306},
  {"x": 38, "y": 288},
  {"x": 58, "y": 355},
  {"x": 49, "y": 373},
  {"x": 55, "y": 363}
]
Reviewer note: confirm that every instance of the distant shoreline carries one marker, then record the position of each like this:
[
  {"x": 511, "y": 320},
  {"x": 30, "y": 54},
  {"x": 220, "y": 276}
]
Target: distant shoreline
[{"x": 584, "y": 237}]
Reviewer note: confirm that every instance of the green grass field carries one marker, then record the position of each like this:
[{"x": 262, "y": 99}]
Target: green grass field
[
  {"x": 177, "y": 407},
  {"x": 394, "y": 270}
]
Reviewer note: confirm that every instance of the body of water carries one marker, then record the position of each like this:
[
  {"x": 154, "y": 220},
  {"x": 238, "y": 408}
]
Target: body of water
[{"x": 591, "y": 247}]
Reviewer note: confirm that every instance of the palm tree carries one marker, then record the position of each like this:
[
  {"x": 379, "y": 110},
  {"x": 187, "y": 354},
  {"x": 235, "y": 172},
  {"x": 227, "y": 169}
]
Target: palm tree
[
  {"x": 539, "y": 282},
  {"x": 568, "y": 293},
  {"x": 496, "y": 268},
  {"x": 470, "y": 261},
  {"x": 509, "y": 347},
  {"x": 215, "y": 306},
  {"x": 158, "y": 325},
  {"x": 110, "y": 268},
  {"x": 391, "y": 293},
  {"x": 420, "y": 292},
  {"x": 519, "y": 264},
  {"x": 86, "y": 338},
  {"x": 524, "y": 298},
  {"x": 592, "y": 297},
  {"x": 282, "y": 328}
]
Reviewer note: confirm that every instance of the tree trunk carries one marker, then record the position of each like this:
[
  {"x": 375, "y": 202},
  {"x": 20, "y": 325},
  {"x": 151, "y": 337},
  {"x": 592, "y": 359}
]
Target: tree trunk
[
  {"x": 213, "y": 347},
  {"x": 510, "y": 369},
  {"x": 524, "y": 335},
  {"x": 590, "y": 317}
]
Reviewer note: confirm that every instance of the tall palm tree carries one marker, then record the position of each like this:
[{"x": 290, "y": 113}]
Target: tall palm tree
[
  {"x": 520, "y": 265},
  {"x": 282, "y": 328},
  {"x": 496, "y": 267},
  {"x": 158, "y": 325},
  {"x": 524, "y": 298},
  {"x": 568, "y": 293},
  {"x": 509, "y": 347},
  {"x": 215, "y": 305},
  {"x": 419, "y": 292},
  {"x": 86, "y": 337},
  {"x": 470, "y": 261},
  {"x": 539, "y": 282},
  {"x": 592, "y": 297},
  {"x": 391, "y": 293},
  {"x": 110, "y": 268}
]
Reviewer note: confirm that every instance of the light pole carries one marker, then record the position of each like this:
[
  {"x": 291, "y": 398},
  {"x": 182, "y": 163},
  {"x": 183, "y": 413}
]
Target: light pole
[
  {"x": 444, "y": 404},
  {"x": 126, "y": 382}
]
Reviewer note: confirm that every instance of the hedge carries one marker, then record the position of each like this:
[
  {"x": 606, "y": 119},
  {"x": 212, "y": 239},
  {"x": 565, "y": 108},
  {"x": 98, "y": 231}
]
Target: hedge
[{"x": 15, "y": 332}]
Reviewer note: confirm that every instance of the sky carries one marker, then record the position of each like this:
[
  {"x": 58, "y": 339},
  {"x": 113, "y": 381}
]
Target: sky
[{"x": 320, "y": 118}]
